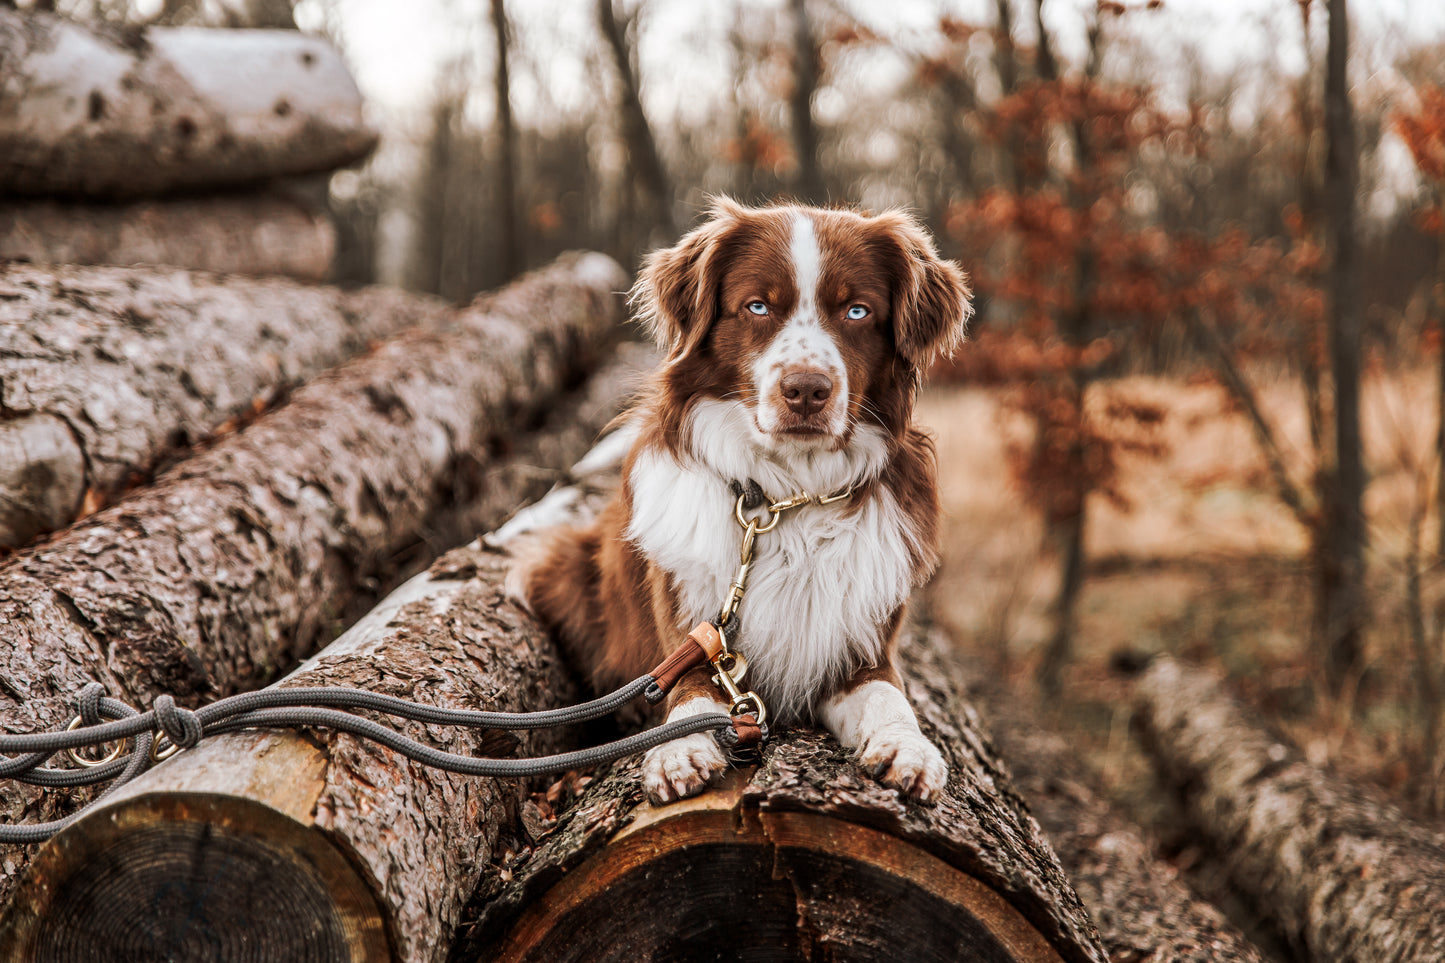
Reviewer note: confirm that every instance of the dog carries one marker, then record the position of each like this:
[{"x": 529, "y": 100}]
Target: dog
[{"x": 795, "y": 341}]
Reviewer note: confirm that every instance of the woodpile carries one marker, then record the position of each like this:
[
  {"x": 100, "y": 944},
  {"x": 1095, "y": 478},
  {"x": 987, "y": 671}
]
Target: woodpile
[
  {"x": 341, "y": 846},
  {"x": 255, "y": 551},
  {"x": 1343, "y": 874},
  {"x": 198, "y": 121}
]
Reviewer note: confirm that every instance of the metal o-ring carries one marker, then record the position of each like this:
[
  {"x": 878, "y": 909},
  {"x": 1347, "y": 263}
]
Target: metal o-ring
[
  {"x": 82, "y": 761},
  {"x": 745, "y": 521}
]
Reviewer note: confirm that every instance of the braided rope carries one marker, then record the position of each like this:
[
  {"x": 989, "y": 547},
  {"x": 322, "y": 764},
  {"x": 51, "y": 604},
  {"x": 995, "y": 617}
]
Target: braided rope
[{"x": 309, "y": 708}]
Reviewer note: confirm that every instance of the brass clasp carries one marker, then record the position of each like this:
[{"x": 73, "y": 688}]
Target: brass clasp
[{"x": 731, "y": 667}]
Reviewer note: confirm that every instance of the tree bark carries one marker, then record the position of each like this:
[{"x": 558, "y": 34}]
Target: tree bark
[
  {"x": 250, "y": 555},
  {"x": 1144, "y": 911},
  {"x": 256, "y": 234},
  {"x": 344, "y": 849},
  {"x": 1342, "y": 540},
  {"x": 104, "y": 111},
  {"x": 1344, "y": 874},
  {"x": 122, "y": 369},
  {"x": 801, "y": 857}
]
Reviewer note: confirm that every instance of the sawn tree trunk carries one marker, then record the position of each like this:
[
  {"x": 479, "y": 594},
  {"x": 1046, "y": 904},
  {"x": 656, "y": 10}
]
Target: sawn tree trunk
[
  {"x": 255, "y": 233},
  {"x": 106, "y": 373},
  {"x": 1345, "y": 875},
  {"x": 104, "y": 111}
]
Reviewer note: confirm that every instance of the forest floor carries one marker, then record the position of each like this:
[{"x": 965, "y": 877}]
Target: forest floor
[{"x": 1205, "y": 563}]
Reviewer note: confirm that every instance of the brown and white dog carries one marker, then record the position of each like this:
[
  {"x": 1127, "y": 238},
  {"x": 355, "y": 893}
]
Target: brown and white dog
[{"x": 795, "y": 340}]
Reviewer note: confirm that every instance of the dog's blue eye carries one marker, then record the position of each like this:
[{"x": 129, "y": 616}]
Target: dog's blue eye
[
  {"x": 757, "y": 307},
  {"x": 857, "y": 313}
]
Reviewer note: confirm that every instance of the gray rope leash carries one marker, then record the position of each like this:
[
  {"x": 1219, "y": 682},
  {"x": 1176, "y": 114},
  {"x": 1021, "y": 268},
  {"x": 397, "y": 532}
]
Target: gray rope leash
[{"x": 311, "y": 708}]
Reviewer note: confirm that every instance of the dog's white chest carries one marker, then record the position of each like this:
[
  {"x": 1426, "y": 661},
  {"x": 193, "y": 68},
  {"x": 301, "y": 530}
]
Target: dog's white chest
[{"x": 822, "y": 587}]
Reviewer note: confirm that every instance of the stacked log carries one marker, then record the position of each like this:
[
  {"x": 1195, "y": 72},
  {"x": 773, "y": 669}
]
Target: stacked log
[
  {"x": 248, "y": 556},
  {"x": 1345, "y": 875},
  {"x": 356, "y": 853},
  {"x": 93, "y": 113},
  {"x": 106, "y": 373},
  {"x": 261, "y": 233}
]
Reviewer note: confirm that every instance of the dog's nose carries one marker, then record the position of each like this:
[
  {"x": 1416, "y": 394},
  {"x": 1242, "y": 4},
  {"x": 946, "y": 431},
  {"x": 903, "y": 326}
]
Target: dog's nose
[{"x": 806, "y": 392}]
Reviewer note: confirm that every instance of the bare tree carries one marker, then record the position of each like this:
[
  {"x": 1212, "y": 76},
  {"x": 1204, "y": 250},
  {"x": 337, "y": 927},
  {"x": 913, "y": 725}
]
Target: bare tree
[
  {"x": 808, "y": 185},
  {"x": 646, "y": 160},
  {"x": 510, "y": 261},
  {"x": 1343, "y": 536}
]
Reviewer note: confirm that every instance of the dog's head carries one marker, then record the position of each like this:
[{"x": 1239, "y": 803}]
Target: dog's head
[{"x": 815, "y": 321}]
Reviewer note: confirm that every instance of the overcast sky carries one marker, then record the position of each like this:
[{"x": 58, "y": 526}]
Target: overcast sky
[{"x": 398, "y": 49}]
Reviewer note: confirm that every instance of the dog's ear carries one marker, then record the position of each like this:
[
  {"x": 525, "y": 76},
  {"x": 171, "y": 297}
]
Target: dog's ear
[
  {"x": 676, "y": 294},
  {"x": 931, "y": 297}
]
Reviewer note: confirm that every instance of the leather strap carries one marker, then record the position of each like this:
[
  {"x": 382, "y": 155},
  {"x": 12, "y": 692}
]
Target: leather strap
[
  {"x": 701, "y": 645},
  {"x": 748, "y": 730}
]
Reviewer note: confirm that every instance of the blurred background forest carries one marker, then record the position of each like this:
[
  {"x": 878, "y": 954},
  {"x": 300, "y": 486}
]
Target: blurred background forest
[{"x": 1208, "y": 261}]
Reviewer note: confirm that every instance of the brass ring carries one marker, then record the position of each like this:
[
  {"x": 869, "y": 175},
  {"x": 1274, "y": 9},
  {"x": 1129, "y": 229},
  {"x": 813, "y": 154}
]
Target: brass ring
[
  {"x": 746, "y": 522},
  {"x": 82, "y": 761},
  {"x": 158, "y": 754}
]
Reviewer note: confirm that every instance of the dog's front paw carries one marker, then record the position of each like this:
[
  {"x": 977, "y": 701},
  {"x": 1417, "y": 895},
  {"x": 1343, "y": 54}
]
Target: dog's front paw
[
  {"x": 681, "y": 768},
  {"x": 904, "y": 759}
]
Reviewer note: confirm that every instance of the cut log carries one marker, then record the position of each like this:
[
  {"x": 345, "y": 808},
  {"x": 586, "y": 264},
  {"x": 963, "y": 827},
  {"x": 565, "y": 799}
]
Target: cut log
[
  {"x": 1344, "y": 874},
  {"x": 257, "y": 234},
  {"x": 111, "y": 112},
  {"x": 123, "y": 368},
  {"x": 801, "y": 857},
  {"x": 1145, "y": 912},
  {"x": 343, "y": 848},
  {"x": 249, "y": 556}
]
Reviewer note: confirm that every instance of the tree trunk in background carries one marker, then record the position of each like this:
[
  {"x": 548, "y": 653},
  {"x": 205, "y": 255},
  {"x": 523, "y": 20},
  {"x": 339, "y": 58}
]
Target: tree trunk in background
[
  {"x": 1066, "y": 523},
  {"x": 1439, "y": 300},
  {"x": 99, "y": 111},
  {"x": 809, "y": 185},
  {"x": 260, "y": 234},
  {"x": 1345, "y": 876},
  {"x": 346, "y": 838},
  {"x": 511, "y": 259},
  {"x": 117, "y": 370},
  {"x": 428, "y": 270},
  {"x": 650, "y": 174},
  {"x": 250, "y": 555},
  {"x": 1344, "y": 536},
  {"x": 802, "y": 856}
]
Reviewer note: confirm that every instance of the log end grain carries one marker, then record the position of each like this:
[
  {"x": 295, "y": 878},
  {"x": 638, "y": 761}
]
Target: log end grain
[
  {"x": 714, "y": 878},
  {"x": 194, "y": 877}
]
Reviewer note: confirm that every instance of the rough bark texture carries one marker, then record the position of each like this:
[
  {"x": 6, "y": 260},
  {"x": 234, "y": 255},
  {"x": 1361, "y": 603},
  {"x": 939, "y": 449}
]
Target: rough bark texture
[
  {"x": 102, "y": 111},
  {"x": 801, "y": 857},
  {"x": 1144, "y": 911},
  {"x": 1342, "y": 872},
  {"x": 129, "y": 366},
  {"x": 350, "y": 846},
  {"x": 252, "y": 554},
  {"x": 257, "y": 234}
]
